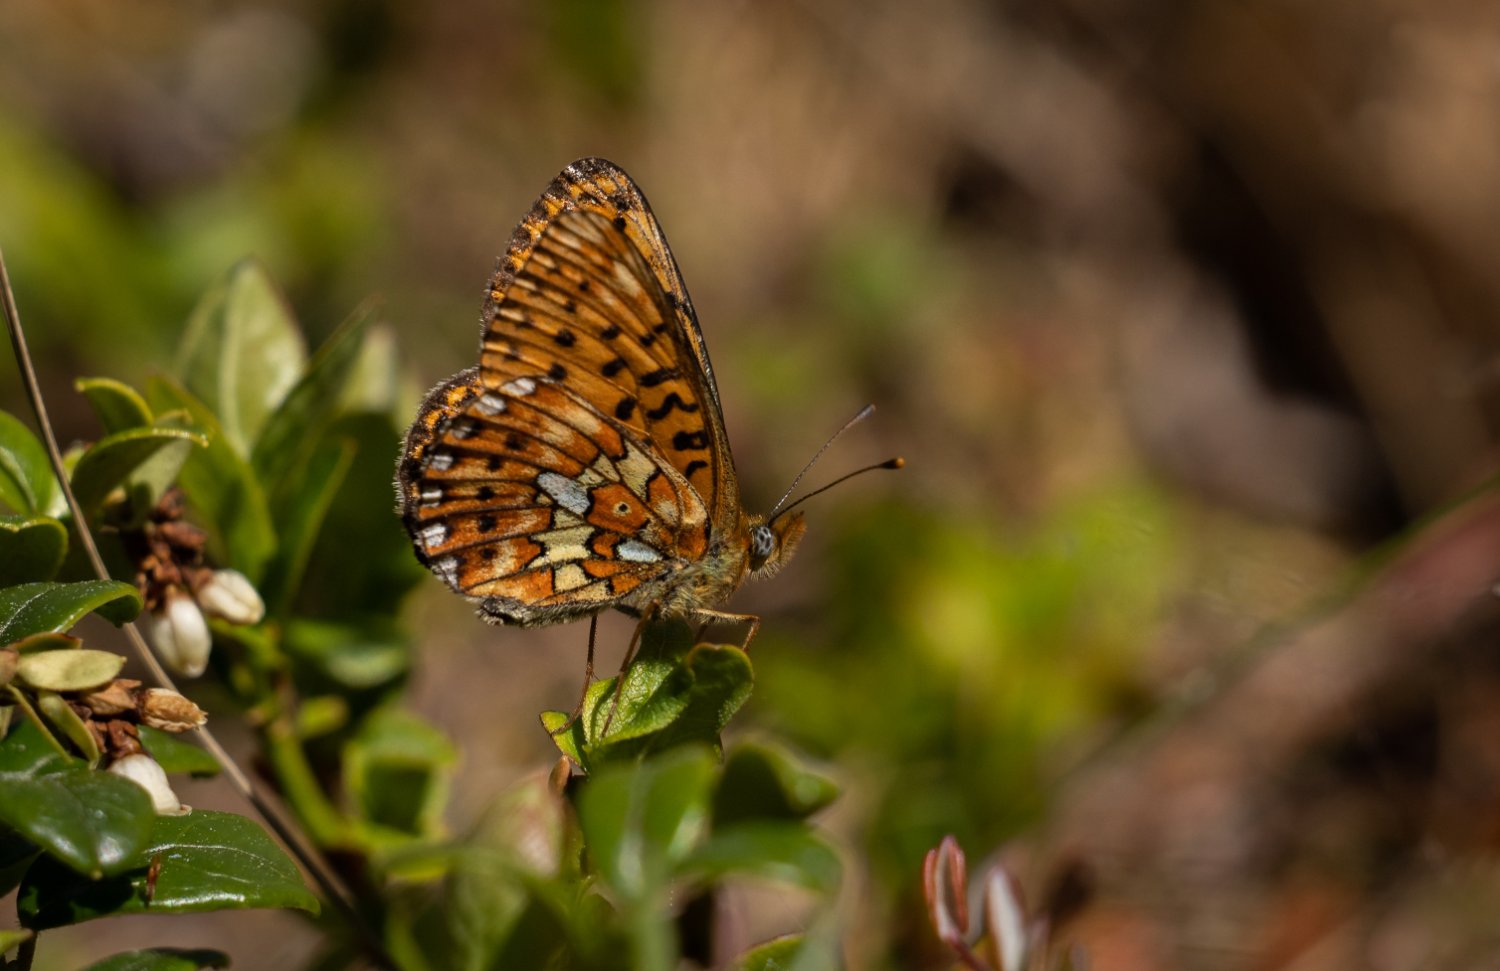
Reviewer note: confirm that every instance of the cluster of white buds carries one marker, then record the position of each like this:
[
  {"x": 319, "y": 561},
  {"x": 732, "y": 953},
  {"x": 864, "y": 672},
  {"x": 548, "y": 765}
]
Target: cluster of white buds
[
  {"x": 180, "y": 589},
  {"x": 179, "y": 629}
]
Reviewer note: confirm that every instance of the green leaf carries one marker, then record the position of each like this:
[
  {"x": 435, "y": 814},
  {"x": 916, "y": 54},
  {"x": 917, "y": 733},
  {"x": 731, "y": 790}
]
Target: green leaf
[
  {"x": 347, "y": 656},
  {"x": 162, "y": 959},
  {"x": 298, "y": 424},
  {"x": 92, "y": 821},
  {"x": 207, "y": 861},
  {"x": 75, "y": 670},
  {"x": 763, "y": 781},
  {"x": 488, "y": 890},
  {"x": 16, "y": 854},
  {"x": 300, "y": 517},
  {"x": 397, "y": 769},
  {"x": 175, "y": 754},
  {"x": 118, "y": 406},
  {"x": 61, "y": 716},
  {"x": 788, "y": 852},
  {"x": 31, "y": 548},
  {"x": 32, "y": 608},
  {"x": 673, "y": 695},
  {"x": 640, "y": 819},
  {"x": 9, "y": 939},
  {"x": 241, "y": 353},
  {"x": 774, "y": 955},
  {"x": 109, "y": 462},
  {"x": 27, "y": 484},
  {"x": 343, "y": 579},
  {"x": 222, "y": 489}
]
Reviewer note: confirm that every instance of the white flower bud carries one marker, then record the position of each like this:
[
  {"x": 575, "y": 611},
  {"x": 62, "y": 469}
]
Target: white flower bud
[
  {"x": 144, "y": 772},
  {"x": 180, "y": 635},
  {"x": 1005, "y": 919},
  {"x": 228, "y": 594}
]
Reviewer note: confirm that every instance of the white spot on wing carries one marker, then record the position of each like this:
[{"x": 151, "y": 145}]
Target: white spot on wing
[
  {"x": 490, "y": 403},
  {"x": 434, "y": 535},
  {"x": 431, "y": 496},
  {"x": 567, "y": 492},
  {"x": 634, "y": 551},
  {"x": 447, "y": 568},
  {"x": 440, "y": 461},
  {"x": 519, "y": 387}
]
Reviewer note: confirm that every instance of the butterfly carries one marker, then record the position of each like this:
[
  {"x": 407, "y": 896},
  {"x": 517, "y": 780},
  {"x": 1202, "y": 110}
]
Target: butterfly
[{"x": 583, "y": 465}]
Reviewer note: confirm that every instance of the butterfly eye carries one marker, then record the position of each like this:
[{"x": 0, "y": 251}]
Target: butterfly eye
[{"x": 762, "y": 546}]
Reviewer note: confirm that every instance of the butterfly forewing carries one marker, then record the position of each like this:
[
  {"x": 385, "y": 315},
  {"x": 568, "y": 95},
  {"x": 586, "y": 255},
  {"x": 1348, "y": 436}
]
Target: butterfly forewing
[{"x": 589, "y": 296}]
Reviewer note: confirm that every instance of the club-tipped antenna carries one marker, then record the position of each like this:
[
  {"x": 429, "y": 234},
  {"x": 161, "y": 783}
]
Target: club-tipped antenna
[
  {"x": 864, "y": 413},
  {"x": 895, "y": 463}
]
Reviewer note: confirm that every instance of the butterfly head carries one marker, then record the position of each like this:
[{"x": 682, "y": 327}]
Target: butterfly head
[{"x": 772, "y": 543}]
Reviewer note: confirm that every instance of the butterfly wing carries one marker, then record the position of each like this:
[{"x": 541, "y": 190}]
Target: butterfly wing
[
  {"x": 584, "y": 462},
  {"x": 588, "y": 295},
  {"x": 537, "y": 506}
]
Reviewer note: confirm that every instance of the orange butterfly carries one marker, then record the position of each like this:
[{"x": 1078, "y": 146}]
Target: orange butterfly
[{"x": 583, "y": 464}]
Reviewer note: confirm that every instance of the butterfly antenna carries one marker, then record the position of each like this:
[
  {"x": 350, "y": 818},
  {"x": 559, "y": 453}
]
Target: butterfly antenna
[
  {"x": 864, "y": 413},
  {"x": 895, "y": 463}
]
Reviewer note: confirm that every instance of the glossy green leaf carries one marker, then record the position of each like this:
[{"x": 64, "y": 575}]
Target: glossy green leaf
[
  {"x": 109, "y": 462},
  {"x": 298, "y": 423},
  {"x": 207, "y": 861},
  {"x": 787, "y": 852},
  {"x": 117, "y": 405},
  {"x": 76, "y": 670},
  {"x": 92, "y": 821},
  {"x": 162, "y": 959},
  {"x": 27, "y": 484},
  {"x": 31, "y": 548},
  {"x": 639, "y": 819},
  {"x": 174, "y": 753},
  {"x": 673, "y": 695},
  {"x": 241, "y": 353},
  {"x": 221, "y": 487},
  {"x": 32, "y": 608},
  {"x": 763, "y": 781}
]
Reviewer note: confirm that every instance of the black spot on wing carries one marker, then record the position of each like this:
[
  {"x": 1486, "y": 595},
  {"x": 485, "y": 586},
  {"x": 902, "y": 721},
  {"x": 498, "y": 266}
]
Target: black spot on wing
[
  {"x": 684, "y": 441},
  {"x": 673, "y": 400}
]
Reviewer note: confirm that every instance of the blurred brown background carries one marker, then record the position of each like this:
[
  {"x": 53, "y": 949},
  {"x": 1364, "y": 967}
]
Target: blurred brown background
[{"x": 1185, "y": 316}]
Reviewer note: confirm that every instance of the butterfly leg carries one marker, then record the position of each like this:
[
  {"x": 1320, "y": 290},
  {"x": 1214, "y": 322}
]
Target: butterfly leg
[
  {"x": 725, "y": 617},
  {"x": 588, "y": 679},
  {"x": 635, "y": 643}
]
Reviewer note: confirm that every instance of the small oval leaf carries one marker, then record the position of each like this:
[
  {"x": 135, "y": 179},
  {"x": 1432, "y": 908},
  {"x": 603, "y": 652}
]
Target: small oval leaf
[
  {"x": 61, "y": 716},
  {"x": 109, "y": 462},
  {"x": 27, "y": 484},
  {"x": 78, "y": 670},
  {"x": 118, "y": 405},
  {"x": 31, "y": 548}
]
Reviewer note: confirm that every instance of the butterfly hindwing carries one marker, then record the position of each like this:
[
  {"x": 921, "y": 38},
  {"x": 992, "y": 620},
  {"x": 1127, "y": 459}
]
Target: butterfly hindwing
[{"x": 526, "y": 498}]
